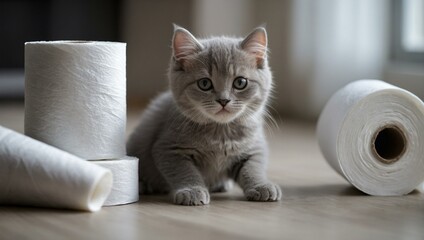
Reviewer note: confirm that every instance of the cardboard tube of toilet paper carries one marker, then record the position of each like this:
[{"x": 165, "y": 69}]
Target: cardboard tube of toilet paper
[
  {"x": 35, "y": 174},
  {"x": 125, "y": 180},
  {"x": 75, "y": 96},
  {"x": 372, "y": 133}
]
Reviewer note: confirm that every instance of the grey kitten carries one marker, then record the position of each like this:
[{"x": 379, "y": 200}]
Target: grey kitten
[{"x": 208, "y": 129}]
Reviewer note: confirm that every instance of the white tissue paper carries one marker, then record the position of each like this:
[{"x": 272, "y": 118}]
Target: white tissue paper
[
  {"x": 372, "y": 133},
  {"x": 75, "y": 96},
  {"x": 36, "y": 174},
  {"x": 125, "y": 180}
]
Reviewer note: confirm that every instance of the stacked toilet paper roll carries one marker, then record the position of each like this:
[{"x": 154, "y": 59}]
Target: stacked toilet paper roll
[
  {"x": 75, "y": 100},
  {"x": 421, "y": 187},
  {"x": 125, "y": 181},
  {"x": 75, "y": 96},
  {"x": 372, "y": 133}
]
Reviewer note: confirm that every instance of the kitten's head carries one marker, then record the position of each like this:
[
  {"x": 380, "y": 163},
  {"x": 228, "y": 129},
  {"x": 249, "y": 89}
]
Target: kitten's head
[{"x": 220, "y": 79}]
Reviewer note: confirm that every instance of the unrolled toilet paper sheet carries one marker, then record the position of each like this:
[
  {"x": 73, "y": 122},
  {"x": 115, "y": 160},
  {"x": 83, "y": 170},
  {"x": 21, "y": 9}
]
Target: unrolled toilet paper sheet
[
  {"x": 372, "y": 133},
  {"x": 36, "y": 174},
  {"x": 75, "y": 96}
]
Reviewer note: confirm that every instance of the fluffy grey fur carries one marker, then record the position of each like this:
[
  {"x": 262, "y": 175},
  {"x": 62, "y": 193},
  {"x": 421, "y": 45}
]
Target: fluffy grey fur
[{"x": 191, "y": 141}]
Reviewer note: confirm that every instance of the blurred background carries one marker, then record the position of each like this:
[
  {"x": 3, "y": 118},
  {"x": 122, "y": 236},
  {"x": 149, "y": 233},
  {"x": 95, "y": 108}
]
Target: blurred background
[{"x": 317, "y": 46}]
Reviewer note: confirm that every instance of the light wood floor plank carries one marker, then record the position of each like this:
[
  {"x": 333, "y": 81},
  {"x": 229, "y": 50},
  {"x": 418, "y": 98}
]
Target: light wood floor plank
[{"x": 317, "y": 204}]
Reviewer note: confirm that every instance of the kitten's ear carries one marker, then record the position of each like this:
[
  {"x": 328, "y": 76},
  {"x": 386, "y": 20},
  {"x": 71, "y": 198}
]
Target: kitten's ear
[
  {"x": 256, "y": 44},
  {"x": 184, "y": 44}
]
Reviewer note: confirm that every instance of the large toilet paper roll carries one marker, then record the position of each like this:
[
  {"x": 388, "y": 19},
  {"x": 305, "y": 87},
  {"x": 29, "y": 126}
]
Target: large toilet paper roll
[
  {"x": 125, "y": 180},
  {"x": 36, "y": 174},
  {"x": 372, "y": 133},
  {"x": 75, "y": 96}
]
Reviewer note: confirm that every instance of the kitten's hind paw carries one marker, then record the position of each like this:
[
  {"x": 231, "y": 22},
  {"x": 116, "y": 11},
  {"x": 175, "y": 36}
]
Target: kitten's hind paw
[
  {"x": 268, "y": 192},
  {"x": 192, "y": 196}
]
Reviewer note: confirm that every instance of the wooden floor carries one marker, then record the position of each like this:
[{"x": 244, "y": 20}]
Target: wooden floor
[{"x": 317, "y": 204}]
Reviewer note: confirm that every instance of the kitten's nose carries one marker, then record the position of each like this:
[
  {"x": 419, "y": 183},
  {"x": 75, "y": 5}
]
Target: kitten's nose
[{"x": 223, "y": 102}]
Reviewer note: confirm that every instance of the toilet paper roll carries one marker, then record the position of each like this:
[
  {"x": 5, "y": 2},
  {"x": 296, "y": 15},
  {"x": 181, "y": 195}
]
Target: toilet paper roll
[
  {"x": 372, "y": 133},
  {"x": 421, "y": 187},
  {"x": 125, "y": 180},
  {"x": 75, "y": 96},
  {"x": 36, "y": 174}
]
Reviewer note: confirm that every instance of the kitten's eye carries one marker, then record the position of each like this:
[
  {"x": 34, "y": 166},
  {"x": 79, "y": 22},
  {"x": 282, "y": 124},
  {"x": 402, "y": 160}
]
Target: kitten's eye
[
  {"x": 240, "y": 83},
  {"x": 204, "y": 84}
]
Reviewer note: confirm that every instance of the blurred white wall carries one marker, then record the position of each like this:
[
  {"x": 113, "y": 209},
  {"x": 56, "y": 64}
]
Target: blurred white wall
[
  {"x": 238, "y": 18},
  {"x": 147, "y": 29},
  {"x": 317, "y": 46},
  {"x": 222, "y": 17},
  {"x": 332, "y": 43}
]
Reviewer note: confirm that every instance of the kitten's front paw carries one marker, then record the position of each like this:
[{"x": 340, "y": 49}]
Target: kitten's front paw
[
  {"x": 192, "y": 196},
  {"x": 265, "y": 192}
]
